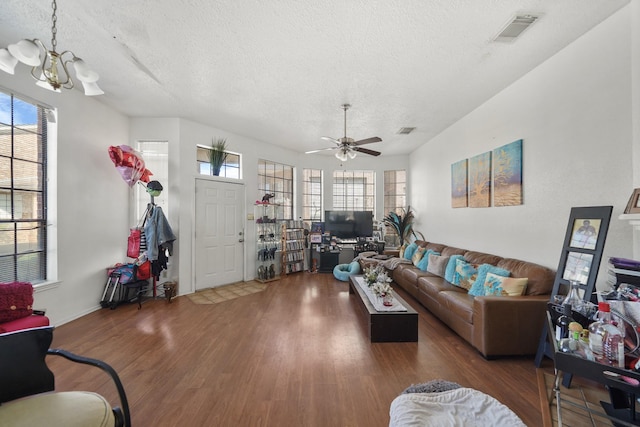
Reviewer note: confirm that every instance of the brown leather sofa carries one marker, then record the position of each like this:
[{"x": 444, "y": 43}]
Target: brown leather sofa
[{"x": 494, "y": 325}]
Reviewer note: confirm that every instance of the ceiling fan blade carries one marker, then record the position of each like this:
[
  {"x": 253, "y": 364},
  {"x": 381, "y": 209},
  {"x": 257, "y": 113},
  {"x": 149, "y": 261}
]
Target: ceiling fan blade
[
  {"x": 367, "y": 141},
  {"x": 366, "y": 151},
  {"x": 327, "y": 138},
  {"x": 322, "y": 149}
]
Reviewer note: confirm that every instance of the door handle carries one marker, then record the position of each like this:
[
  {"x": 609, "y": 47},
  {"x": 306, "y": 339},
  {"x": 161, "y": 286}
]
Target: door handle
[{"x": 240, "y": 240}]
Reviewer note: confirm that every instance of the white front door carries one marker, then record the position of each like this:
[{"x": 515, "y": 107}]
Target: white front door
[{"x": 219, "y": 233}]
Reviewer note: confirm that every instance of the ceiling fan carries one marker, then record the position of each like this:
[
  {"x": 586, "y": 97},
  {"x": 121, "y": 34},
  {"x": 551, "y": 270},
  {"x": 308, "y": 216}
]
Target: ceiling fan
[{"x": 347, "y": 147}]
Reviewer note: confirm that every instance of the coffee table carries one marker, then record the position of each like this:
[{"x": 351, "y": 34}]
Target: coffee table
[{"x": 386, "y": 326}]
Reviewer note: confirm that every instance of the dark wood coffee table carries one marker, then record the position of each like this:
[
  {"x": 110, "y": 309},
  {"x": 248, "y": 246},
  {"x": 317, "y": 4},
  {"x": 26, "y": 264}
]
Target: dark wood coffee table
[{"x": 386, "y": 326}]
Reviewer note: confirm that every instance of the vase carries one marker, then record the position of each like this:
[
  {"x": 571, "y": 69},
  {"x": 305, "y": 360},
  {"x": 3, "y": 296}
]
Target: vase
[{"x": 387, "y": 300}]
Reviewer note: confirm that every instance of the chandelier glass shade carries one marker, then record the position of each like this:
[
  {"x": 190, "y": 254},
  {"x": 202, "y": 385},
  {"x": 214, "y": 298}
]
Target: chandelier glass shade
[
  {"x": 50, "y": 68},
  {"x": 345, "y": 153}
]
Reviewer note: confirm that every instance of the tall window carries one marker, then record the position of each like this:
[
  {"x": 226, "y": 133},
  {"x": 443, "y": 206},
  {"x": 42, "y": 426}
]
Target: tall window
[
  {"x": 277, "y": 179},
  {"x": 23, "y": 177},
  {"x": 312, "y": 195},
  {"x": 354, "y": 190},
  {"x": 230, "y": 168},
  {"x": 156, "y": 159},
  {"x": 395, "y": 190}
]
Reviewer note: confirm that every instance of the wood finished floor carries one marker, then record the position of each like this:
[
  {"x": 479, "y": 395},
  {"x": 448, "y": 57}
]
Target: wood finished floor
[{"x": 296, "y": 354}]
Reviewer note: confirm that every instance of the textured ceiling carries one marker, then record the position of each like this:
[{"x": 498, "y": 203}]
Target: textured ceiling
[{"x": 278, "y": 71}]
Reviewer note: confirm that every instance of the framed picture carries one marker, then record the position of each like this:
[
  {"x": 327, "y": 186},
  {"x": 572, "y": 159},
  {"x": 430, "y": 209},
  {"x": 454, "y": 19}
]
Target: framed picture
[
  {"x": 577, "y": 267},
  {"x": 585, "y": 233},
  {"x": 582, "y": 250},
  {"x": 507, "y": 174},
  {"x": 633, "y": 206},
  {"x": 459, "y": 184},
  {"x": 377, "y": 236},
  {"x": 479, "y": 193},
  {"x": 315, "y": 238}
]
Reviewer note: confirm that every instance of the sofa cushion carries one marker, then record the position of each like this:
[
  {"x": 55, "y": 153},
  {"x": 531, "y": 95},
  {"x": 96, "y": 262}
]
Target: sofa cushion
[
  {"x": 540, "y": 278},
  {"x": 432, "y": 285},
  {"x": 437, "y": 264},
  {"x": 465, "y": 274},
  {"x": 435, "y": 247},
  {"x": 504, "y": 286},
  {"x": 451, "y": 267},
  {"x": 16, "y": 300},
  {"x": 450, "y": 250},
  {"x": 481, "y": 258},
  {"x": 477, "y": 289},
  {"x": 459, "y": 303},
  {"x": 410, "y": 273}
]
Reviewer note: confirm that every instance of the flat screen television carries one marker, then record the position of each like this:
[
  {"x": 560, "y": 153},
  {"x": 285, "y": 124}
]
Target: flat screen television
[{"x": 349, "y": 224}]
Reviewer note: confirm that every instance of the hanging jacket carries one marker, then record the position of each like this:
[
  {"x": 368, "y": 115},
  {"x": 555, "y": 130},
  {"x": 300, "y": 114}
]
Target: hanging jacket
[{"x": 158, "y": 233}]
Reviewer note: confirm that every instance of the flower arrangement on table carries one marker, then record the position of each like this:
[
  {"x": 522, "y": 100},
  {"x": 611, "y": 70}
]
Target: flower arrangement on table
[
  {"x": 371, "y": 274},
  {"x": 381, "y": 289}
]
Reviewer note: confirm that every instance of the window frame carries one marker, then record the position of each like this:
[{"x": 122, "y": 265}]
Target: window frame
[
  {"x": 344, "y": 193},
  {"x": 227, "y": 166},
  {"x": 282, "y": 187},
  {"x": 43, "y": 271},
  {"x": 310, "y": 179}
]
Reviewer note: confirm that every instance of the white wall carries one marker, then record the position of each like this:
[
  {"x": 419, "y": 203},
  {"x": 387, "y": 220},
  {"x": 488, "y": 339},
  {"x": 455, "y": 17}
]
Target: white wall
[
  {"x": 183, "y": 137},
  {"x": 574, "y": 114},
  {"x": 92, "y": 211}
]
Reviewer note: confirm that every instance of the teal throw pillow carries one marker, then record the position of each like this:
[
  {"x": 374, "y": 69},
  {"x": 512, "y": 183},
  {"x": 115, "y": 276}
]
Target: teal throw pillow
[
  {"x": 477, "y": 289},
  {"x": 424, "y": 262},
  {"x": 451, "y": 267},
  {"x": 410, "y": 250}
]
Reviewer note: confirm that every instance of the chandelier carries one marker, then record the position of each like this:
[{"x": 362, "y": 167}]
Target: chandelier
[{"x": 49, "y": 67}]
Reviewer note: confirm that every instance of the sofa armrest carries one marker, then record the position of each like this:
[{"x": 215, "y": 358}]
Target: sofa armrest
[{"x": 508, "y": 325}]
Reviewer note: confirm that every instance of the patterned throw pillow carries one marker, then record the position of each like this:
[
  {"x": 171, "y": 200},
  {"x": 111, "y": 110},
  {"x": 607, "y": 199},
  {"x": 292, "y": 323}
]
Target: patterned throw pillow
[
  {"x": 437, "y": 264},
  {"x": 477, "y": 289},
  {"x": 417, "y": 255},
  {"x": 410, "y": 250},
  {"x": 504, "y": 286},
  {"x": 465, "y": 274},
  {"x": 424, "y": 262}
]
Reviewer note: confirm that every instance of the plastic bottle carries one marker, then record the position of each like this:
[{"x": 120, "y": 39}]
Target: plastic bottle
[
  {"x": 605, "y": 339},
  {"x": 595, "y": 339}
]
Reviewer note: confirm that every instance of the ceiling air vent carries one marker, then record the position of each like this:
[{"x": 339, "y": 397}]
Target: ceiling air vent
[
  {"x": 515, "y": 27},
  {"x": 406, "y": 131}
]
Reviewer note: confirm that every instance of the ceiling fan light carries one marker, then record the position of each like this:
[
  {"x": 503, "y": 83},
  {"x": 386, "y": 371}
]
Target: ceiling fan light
[
  {"x": 7, "y": 61},
  {"x": 341, "y": 155},
  {"x": 26, "y": 51},
  {"x": 352, "y": 154}
]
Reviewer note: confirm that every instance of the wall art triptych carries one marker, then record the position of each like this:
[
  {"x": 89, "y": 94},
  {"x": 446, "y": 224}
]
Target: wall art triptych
[{"x": 497, "y": 173}]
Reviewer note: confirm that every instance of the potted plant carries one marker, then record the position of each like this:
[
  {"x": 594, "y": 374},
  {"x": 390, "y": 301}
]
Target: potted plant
[
  {"x": 402, "y": 223},
  {"x": 218, "y": 155}
]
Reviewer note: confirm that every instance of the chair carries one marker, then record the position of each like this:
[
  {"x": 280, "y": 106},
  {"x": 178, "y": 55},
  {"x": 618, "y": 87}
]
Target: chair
[{"x": 25, "y": 381}]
